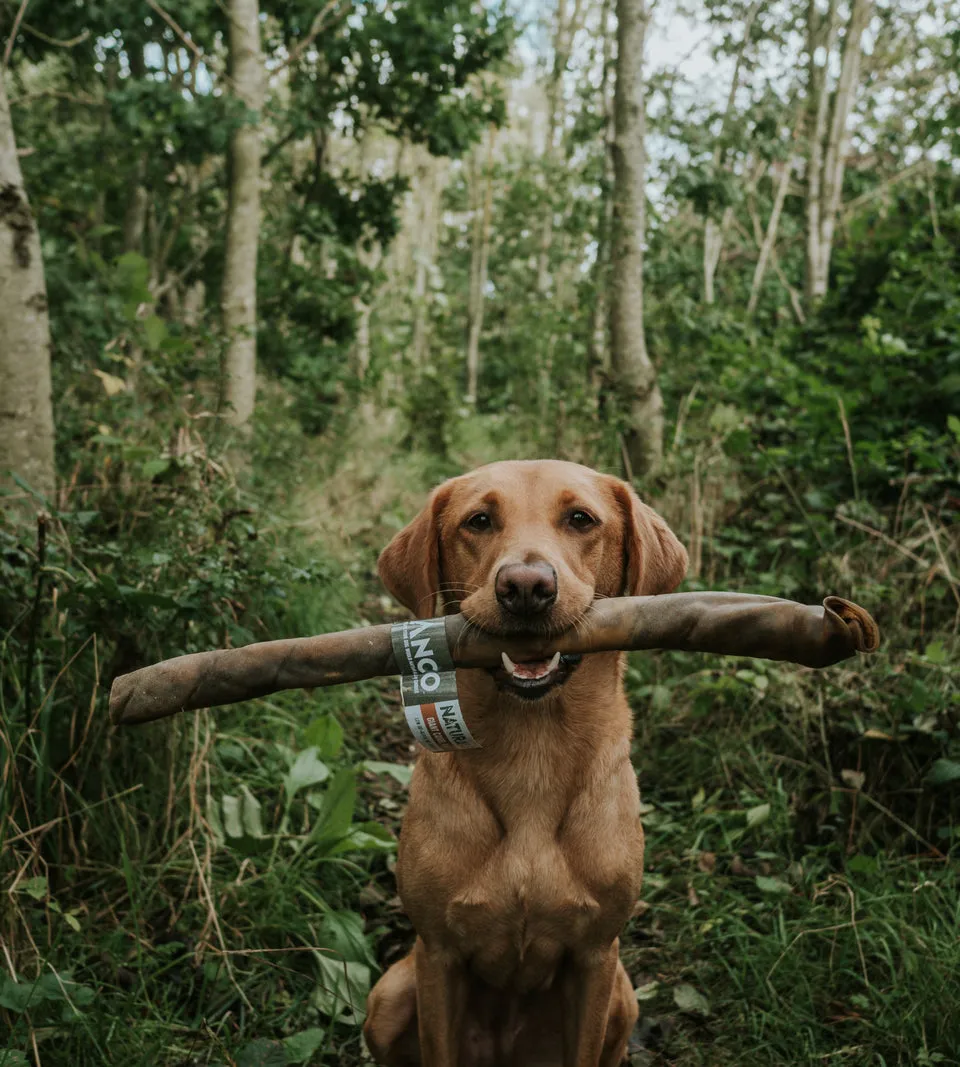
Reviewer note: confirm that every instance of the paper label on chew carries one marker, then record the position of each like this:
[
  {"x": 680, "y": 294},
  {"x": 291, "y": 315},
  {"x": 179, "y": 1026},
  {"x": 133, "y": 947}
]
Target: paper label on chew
[{"x": 428, "y": 686}]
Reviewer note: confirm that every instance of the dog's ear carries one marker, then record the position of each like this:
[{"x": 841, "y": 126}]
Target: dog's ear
[
  {"x": 654, "y": 560},
  {"x": 410, "y": 565}
]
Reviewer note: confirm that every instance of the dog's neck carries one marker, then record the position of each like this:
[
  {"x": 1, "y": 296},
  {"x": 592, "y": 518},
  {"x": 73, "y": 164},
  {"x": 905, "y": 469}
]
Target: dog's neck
[{"x": 535, "y": 756}]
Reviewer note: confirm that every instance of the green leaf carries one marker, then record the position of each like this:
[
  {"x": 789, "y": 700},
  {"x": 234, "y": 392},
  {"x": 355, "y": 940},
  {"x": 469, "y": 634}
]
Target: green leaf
[
  {"x": 342, "y": 933},
  {"x": 336, "y": 812},
  {"x": 773, "y": 885},
  {"x": 935, "y": 653},
  {"x": 690, "y": 1000},
  {"x": 299, "y": 1048},
  {"x": 942, "y": 772},
  {"x": 342, "y": 986},
  {"x": 402, "y": 772},
  {"x": 758, "y": 815},
  {"x": 12, "y": 1057},
  {"x": 307, "y": 770},
  {"x": 242, "y": 824},
  {"x": 153, "y": 467},
  {"x": 34, "y": 887},
  {"x": 262, "y": 1053},
  {"x": 326, "y": 735},
  {"x": 648, "y": 991},
  {"x": 154, "y": 331},
  {"x": 861, "y": 864}
]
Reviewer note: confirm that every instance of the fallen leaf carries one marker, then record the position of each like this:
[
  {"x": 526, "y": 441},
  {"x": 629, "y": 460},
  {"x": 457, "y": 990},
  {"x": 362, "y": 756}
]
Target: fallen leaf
[{"x": 690, "y": 1000}]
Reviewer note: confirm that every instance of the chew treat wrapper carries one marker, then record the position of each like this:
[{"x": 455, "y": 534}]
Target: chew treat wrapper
[{"x": 428, "y": 685}]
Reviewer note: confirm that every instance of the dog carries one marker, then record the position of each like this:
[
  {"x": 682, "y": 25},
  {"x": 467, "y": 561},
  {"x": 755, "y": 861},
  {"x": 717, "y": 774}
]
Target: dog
[{"x": 521, "y": 861}]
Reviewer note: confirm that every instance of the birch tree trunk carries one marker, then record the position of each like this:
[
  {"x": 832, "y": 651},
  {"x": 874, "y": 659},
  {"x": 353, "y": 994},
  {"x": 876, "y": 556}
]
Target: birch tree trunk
[
  {"x": 829, "y": 138},
  {"x": 428, "y": 187},
  {"x": 565, "y": 32},
  {"x": 26, "y": 410},
  {"x": 239, "y": 294},
  {"x": 770, "y": 236},
  {"x": 714, "y": 234},
  {"x": 480, "y": 253},
  {"x": 597, "y": 347},
  {"x": 634, "y": 374}
]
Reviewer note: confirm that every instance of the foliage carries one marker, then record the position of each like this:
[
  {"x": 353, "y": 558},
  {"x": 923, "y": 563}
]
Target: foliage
[{"x": 218, "y": 888}]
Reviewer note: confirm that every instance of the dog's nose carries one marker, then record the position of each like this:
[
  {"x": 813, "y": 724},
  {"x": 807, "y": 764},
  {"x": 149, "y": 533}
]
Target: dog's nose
[{"x": 526, "y": 589}]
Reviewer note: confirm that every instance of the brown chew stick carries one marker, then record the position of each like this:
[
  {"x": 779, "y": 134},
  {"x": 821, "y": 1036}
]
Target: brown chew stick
[{"x": 733, "y": 624}]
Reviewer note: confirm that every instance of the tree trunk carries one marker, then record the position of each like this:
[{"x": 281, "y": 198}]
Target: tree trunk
[
  {"x": 26, "y": 410},
  {"x": 828, "y": 133},
  {"x": 563, "y": 41},
  {"x": 597, "y": 348},
  {"x": 714, "y": 234},
  {"x": 239, "y": 295},
  {"x": 480, "y": 253},
  {"x": 135, "y": 216},
  {"x": 635, "y": 376},
  {"x": 770, "y": 237},
  {"x": 838, "y": 142}
]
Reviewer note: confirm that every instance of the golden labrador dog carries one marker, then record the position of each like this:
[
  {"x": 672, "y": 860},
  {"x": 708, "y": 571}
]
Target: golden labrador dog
[{"x": 521, "y": 861}]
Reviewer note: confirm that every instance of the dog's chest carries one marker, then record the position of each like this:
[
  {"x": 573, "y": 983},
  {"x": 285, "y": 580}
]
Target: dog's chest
[
  {"x": 548, "y": 881},
  {"x": 526, "y": 908}
]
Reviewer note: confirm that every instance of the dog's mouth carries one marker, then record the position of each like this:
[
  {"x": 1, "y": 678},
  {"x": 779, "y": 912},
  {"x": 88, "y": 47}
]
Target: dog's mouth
[{"x": 533, "y": 679}]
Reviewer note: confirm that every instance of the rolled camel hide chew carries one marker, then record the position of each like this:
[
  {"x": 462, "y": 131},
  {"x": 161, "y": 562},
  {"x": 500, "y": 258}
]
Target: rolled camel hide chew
[{"x": 732, "y": 624}]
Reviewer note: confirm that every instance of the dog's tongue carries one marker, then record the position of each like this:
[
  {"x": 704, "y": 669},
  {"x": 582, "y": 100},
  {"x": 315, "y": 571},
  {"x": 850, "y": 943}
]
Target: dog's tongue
[
  {"x": 537, "y": 669},
  {"x": 532, "y": 669}
]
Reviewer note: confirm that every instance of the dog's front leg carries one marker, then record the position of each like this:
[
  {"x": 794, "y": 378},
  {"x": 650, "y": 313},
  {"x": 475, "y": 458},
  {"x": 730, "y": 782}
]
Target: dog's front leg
[
  {"x": 587, "y": 987},
  {"x": 441, "y": 999}
]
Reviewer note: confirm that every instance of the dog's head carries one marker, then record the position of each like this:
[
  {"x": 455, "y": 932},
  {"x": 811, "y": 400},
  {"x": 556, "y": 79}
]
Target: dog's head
[{"x": 524, "y": 547}]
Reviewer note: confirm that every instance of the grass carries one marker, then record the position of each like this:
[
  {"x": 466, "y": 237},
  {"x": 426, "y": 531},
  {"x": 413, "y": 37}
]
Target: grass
[{"x": 217, "y": 888}]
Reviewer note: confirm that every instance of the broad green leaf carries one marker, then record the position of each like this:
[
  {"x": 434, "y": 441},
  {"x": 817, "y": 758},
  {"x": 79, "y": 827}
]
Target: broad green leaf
[
  {"x": 153, "y": 467},
  {"x": 12, "y": 1057},
  {"x": 299, "y": 1048},
  {"x": 942, "y": 772},
  {"x": 690, "y": 1000},
  {"x": 154, "y": 331},
  {"x": 34, "y": 887},
  {"x": 773, "y": 885},
  {"x": 758, "y": 815},
  {"x": 242, "y": 823},
  {"x": 342, "y": 987},
  {"x": 342, "y": 933},
  {"x": 336, "y": 812},
  {"x": 326, "y": 735},
  {"x": 935, "y": 653},
  {"x": 307, "y": 770},
  {"x": 402, "y": 772},
  {"x": 647, "y": 991},
  {"x": 262, "y": 1053}
]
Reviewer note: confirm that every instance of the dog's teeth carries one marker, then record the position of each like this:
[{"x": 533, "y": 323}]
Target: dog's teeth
[
  {"x": 508, "y": 665},
  {"x": 554, "y": 663}
]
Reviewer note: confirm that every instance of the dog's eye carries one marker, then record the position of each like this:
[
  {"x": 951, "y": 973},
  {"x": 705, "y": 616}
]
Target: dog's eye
[
  {"x": 479, "y": 522},
  {"x": 581, "y": 520}
]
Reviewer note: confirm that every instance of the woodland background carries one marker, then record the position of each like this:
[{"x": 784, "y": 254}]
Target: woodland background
[{"x": 711, "y": 244}]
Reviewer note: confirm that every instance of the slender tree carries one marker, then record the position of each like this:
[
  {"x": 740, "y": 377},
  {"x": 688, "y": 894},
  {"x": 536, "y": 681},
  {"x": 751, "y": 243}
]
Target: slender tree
[
  {"x": 828, "y": 115},
  {"x": 714, "y": 233},
  {"x": 26, "y": 410},
  {"x": 239, "y": 295},
  {"x": 480, "y": 254},
  {"x": 597, "y": 347},
  {"x": 633, "y": 372},
  {"x": 566, "y": 29}
]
